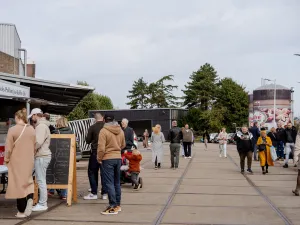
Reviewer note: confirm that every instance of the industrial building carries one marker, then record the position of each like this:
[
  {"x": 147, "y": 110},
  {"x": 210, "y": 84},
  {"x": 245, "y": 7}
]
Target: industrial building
[
  {"x": 141, "y": 119},
  {"x": 262, "y": 104}
]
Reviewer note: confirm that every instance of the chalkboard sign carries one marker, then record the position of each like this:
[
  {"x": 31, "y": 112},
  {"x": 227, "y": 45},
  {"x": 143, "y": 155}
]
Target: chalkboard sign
[
  {"x": 61, "y": 172},
  {"x": 58, "y": 169}
]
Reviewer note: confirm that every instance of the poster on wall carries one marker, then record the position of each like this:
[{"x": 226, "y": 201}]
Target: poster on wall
[{"x": 265, "y": 117}]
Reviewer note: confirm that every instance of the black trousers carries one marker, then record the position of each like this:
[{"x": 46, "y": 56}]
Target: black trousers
[
  {"x": 187, "y": 146},
  {"x": 22, "y": 203}
]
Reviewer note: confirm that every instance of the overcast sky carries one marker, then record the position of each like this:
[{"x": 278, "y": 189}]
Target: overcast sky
[{"x": 112, "y": 43}]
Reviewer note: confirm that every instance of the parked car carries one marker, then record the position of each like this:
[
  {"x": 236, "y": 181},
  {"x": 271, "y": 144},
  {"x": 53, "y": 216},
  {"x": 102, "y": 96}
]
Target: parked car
[
  {"x": 212, "y": 136},
  {"x": 215, "y": 139},
  {"x": 230, "y": 138}
]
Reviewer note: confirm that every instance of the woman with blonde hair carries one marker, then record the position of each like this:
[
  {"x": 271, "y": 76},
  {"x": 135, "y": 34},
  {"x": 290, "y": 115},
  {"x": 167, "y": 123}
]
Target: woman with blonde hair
[
  {"x": 62, "y": 127},
  {"x": 19, "y": 158},
  {"x": 223, "y": 137},
  {"x": 264, "y": 144},
  {"x": 157, "y": 139}
]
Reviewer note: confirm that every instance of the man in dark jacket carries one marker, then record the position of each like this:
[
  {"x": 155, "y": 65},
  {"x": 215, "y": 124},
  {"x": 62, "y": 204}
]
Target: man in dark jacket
[
  {"x": 128, "y": 132},
  {"x": 175, "y": 136},
  {"x": 244, "y": 141},
  {"x": 93, "y": 167},
  {"x": 255, "y": 132},
  {"x": 290, "y": 140},
  {"x": 280, "y": 141}
]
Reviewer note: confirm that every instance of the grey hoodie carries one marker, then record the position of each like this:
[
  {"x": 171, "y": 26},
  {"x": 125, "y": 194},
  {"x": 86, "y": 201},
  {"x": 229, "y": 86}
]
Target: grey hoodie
[{"x": 42, "y": 138}]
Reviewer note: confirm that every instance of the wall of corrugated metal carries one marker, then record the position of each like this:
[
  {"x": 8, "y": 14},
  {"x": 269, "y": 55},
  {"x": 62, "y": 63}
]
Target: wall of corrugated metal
[{"x": 10, "y": 42}]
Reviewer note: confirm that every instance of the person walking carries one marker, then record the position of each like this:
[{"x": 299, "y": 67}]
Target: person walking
[
  {"x": 146, "y": 139},
  {"x": 273, "y": 135},
  {"x": 175, "y": 137},
  {"x": 264, "y": 144},
  {"x": 206, "y": 139},
  {"x": 128, "y": 132},
  {"x": 93, "y": 166},
  {"x": 157, "y": 139},
  {"x": 181, "y": 146},
  {"x": 19, "y": 158},
  {"x": 187, "y": 140},
  {"x": 111, "y": 142},
  {"x": 42, "y": 156},
  {"x": 256, "y": 134},
  {"x": 296, "y": 158},
  {"x": 280, "y": 141},
  {"x": 290, "y": 139},
  {"x": 222, "y": 137},
  {"x": 244, "y": 143}
]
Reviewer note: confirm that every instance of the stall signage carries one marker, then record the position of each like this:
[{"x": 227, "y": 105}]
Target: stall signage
[{"x": 14, "y": 90}]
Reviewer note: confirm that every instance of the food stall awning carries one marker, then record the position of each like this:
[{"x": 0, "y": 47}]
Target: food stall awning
[{"x": 58, "y": 98}]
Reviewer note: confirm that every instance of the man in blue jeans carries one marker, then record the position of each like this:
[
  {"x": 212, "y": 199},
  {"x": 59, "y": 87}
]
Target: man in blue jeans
[
  {"x": 111, "y": 142},
  {"x": 93, "y": 167},
  {"x": 255, "y": 133}
]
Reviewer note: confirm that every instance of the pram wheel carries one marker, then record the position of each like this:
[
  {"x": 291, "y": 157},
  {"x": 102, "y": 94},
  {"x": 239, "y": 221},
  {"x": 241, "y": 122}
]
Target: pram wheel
[{"x": 141, "y": 182}]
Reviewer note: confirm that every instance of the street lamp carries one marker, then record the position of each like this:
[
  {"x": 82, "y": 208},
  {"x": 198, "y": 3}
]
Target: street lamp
[{"x": 274, "y": 100}]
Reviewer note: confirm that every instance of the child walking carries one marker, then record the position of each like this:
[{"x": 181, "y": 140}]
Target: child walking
[{"x": 134, "y": 166}]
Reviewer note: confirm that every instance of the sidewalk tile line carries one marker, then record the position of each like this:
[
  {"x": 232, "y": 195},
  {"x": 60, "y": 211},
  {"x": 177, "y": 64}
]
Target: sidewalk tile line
[{"x": 271, "y": 204}]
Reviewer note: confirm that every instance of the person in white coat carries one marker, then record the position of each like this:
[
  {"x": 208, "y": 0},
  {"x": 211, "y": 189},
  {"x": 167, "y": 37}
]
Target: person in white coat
[{"x": 157, "y": 139}]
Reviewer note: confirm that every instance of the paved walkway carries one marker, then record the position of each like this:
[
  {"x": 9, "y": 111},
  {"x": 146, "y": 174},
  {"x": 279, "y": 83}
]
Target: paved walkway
[{"x": 204, "y": 190}]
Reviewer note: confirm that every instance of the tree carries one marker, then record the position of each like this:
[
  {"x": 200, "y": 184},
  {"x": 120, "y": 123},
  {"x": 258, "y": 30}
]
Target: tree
[
  {"x": 202, "y": 87},
  {"x": 161, "y": 93},
  {"x": 138, "y": 94},
  {"x": 157, "y": 94},
  {"x": 234, "y": 99},
  {"x": 93, "y": 101}
]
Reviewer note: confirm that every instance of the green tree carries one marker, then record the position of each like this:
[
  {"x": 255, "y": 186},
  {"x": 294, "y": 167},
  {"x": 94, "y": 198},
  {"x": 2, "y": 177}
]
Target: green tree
[
  {"x": 93, "y": 101},
  {"x": 201, "y": 89},
  {"x": 234, "y": 99},
  {"x": 138, "y": 95},
  {"x": 161, "y": 93}
]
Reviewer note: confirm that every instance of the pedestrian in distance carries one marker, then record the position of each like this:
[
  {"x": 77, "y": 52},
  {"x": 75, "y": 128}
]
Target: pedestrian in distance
[
  {"x": 92, "y": 138},
  {"x": 296, "y": 158},
  {"x": 157, "y": 140},
  {"x": 264, "y": 145},
  {"x": 273, "y": 135},
  {"x": 290, "y": 139},
  {"x": 146, "y": 139},
  {"x": 19, "y": 158},
  {"x": 244, "y": 143},
  {"x": 111, "y": 142},
  {"x": 223, "y": 137},
  {"x": 256, "y": 134},
  {"x": 187, "y": 140},
  {"x": 134, "y": 166},
  {"x": 206, "y": 139},
  {"x": 182, "y": 147},
  {"x": 175, "y": 137},
  {"x": 129, "y": 135},
  {"x": 42, "y": 156}
]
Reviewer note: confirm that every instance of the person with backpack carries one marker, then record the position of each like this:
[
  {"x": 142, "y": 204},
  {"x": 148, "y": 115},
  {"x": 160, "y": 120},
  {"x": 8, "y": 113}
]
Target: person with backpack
[{"x": 290, "y": 135}]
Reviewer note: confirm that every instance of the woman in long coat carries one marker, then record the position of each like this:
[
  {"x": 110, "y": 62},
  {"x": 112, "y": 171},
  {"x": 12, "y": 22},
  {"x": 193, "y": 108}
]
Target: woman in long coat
[
  {"x": 19, "y": 158},
  {"x": 157, "y": 139},
  {"x": 264, "y": 144},
  {"x": 146, "y": 138}
]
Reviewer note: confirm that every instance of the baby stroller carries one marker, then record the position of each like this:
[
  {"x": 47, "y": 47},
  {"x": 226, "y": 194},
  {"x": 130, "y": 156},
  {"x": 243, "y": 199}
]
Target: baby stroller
[{"x": 125, "y": 174}]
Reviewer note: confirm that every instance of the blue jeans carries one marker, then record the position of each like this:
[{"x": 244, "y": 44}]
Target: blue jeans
[
  {"x": 111, "y": 177},
  {"x": 93, "y": 173},
  {"x": 60, "y": 192},
  {"x": 255, "y": 150},
  {"x": 280, "y": 150}
]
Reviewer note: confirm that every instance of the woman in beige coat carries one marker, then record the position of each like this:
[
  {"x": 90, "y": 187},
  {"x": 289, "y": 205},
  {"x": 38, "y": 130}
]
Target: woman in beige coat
[{"x": 19, "y": 158}]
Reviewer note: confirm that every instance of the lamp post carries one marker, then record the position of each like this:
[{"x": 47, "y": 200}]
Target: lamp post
[{"x": 274, "y": 119}]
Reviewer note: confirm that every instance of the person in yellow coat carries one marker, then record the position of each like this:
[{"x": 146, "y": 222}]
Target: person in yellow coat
[{"x": 264, "y": 144}]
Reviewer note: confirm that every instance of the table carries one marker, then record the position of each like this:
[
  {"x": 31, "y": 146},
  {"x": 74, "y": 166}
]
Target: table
[{"x": 3, "y": 179}]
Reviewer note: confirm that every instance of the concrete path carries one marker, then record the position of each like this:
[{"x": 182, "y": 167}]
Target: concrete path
[{"x": 204, "y": 190}]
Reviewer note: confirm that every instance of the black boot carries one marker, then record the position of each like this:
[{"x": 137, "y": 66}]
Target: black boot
[
  {"x": 159, "y": 166},
  {"x": 263, "y": 170}
]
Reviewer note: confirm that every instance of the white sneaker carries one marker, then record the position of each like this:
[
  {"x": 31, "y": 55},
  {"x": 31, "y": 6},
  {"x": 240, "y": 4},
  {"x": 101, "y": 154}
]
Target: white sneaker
[
  {"x": 190, "y": 157},
  {"x": 20, "y": 215},
  {"x": 104, "y": 197},
  {"x": 90, "y": 197},
  {"x": 28, "y": 209},
  {"x": 185, "y": 157},
  {"x": 90, "y": 189},
  {"x": 39, "y": 208},
  {"x": 220, "y": 156}
]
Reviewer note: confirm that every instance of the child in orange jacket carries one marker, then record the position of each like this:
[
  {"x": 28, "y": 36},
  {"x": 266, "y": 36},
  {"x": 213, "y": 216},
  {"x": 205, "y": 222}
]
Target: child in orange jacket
[{"x": 134, "y": 166}]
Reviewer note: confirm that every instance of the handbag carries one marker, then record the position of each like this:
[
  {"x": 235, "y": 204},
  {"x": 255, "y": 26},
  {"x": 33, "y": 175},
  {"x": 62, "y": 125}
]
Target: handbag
[
  {"x": 273, "y": 154},
  {"x": 262, "y": 147}
]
